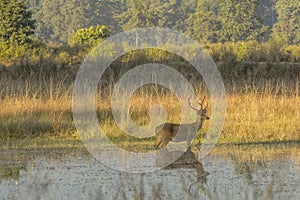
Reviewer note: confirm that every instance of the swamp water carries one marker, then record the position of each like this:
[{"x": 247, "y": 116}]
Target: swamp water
[{"x": 229, "y": 172}]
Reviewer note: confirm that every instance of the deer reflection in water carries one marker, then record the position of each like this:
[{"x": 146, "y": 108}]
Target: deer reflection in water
[{"x": 185, "y": 160}]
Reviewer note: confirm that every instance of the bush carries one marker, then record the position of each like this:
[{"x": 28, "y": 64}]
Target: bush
[
  {"x": 90, "y": 36},
  {"x": 252, "y": 51}
]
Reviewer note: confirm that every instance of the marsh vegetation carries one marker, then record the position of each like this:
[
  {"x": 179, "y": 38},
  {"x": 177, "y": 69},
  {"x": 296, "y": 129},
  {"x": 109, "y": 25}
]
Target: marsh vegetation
[
  {"x": 262, "y": 102},
  {"x": 255, "y": 47}
]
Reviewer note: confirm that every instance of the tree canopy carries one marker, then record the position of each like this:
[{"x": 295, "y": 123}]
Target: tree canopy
[
  {"x": 239, "y": 21},
  {"x": 58, "y": 20},
  {"x": 140, "y": 14},
  {"x": 203, "y": 24},
  {"x": 16, "y": 24},
  {"x": 287, "y": 26},
  {"x": 204, "y": 20}
]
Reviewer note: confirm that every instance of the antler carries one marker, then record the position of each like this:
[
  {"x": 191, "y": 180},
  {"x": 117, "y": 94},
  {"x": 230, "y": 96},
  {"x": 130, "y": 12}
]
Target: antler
[
  {"x": 201, "y": 104},
  {"x": 191, "y": 104}
]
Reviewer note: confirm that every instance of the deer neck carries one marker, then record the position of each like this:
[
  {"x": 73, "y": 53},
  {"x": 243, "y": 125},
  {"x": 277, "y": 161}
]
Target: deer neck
[{"x": 198, "y": 123}]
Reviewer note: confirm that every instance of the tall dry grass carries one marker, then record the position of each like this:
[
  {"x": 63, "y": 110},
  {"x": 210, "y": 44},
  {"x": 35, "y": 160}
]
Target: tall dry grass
[
  {"x": 262, "y": 98},
  {"x": 42, "y": 108},
  {"x": 266, "y": 114}
]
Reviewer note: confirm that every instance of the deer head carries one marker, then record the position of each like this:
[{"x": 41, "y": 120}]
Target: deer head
[{"x": 201, "y": 112}]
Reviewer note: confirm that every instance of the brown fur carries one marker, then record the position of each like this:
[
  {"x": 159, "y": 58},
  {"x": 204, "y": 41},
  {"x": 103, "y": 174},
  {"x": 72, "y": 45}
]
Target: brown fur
[{"x": 170, "y": 132}]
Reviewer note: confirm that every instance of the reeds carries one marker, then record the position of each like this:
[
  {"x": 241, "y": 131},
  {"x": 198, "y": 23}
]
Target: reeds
[{"x": 264, "y": 112}]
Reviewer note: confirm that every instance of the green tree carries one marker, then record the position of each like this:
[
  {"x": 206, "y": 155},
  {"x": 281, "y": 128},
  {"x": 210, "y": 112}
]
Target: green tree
[
  {"x": 106, "y": 12},
  {"x": 183, "y": 10},
  {"x": 287, "y": 27},
  {"x": 266, "y": 12},
  {"x": 58, "y": 20},
  {"x": 33, "y": 4},
  {"x": 239, "y": 21},
  {"x": 203, "y": 24},
  {"x": 173, "y": 13},
  {"x": 16, "y": 24},
  {"x": 140, "y": 14},
  {"x": 167, "y": 15}
]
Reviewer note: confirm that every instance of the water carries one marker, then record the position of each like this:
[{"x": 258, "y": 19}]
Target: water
[{"x": 229, "y": 172}]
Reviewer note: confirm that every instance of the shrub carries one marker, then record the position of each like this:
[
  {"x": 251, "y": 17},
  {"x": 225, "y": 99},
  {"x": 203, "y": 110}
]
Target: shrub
[{"x": 90, "y": 36}]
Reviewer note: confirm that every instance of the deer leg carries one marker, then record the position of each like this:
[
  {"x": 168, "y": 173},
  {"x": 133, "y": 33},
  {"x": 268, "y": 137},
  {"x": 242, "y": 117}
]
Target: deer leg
[
  {"x": 158, "y": 142},
  {"x": 165, "y": 142}
]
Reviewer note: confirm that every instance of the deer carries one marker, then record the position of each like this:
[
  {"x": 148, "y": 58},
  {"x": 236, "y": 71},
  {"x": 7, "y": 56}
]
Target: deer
[{"x": 170, "y": 132}]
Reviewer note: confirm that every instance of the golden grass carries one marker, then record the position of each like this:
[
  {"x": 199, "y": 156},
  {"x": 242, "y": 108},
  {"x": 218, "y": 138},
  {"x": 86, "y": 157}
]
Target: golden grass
[
  {"x": 255, "y": 114},
  {"x": 262, "y": 117}
]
